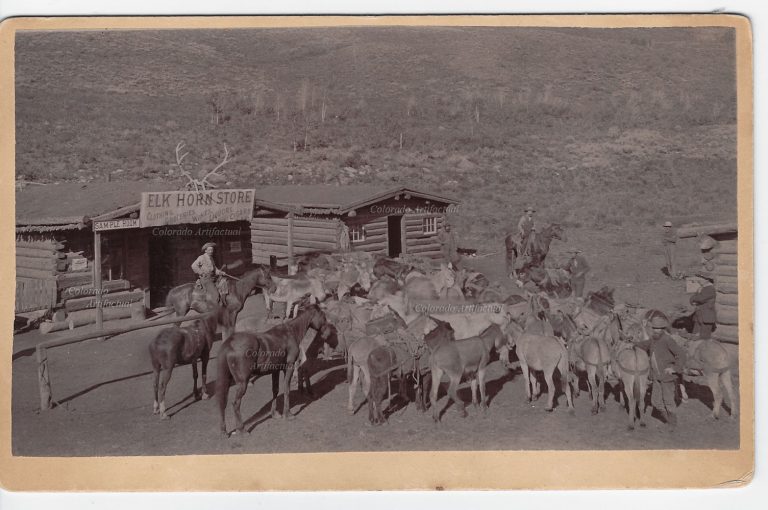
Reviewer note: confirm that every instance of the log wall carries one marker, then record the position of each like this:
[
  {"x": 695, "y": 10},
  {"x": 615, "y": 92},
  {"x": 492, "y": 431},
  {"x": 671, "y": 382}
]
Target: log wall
[
  {"x": 726, "y": 286},
  {"x": 269, "y": 237}
]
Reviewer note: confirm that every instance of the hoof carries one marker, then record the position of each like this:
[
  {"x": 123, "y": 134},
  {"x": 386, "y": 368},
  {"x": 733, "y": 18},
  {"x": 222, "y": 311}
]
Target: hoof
[
  {"x": 165, "y": 417},
  {"x": 155, "y": 411},
  {"x": 289, "y": 416},
  {"x": 630, "y": 428},
  {"x": 206, "y": 396},
  {"x": 549, "y": 410},
  {"x": 350, "y": 412},
  {"x": 642, "y": 424},
  {"x": 276, "y": 415},
  {"x": 593, "y": 411}
]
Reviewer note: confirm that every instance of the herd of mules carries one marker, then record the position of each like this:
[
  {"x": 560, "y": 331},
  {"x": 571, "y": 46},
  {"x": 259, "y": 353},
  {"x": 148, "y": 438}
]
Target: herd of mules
[{"x": 363, "y": 309}]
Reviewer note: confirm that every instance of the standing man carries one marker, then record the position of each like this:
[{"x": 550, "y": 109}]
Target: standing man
[
  {"x": 704, "y": 301},
  {"x": 669, "y": 241},
  {"x": 667, "y": 360},
  {"x": 578, "y": 268},
  {"x": 206, "y": 271},
  {"x": 526, "y": 228},
  {"x": 448, "y": 246}
]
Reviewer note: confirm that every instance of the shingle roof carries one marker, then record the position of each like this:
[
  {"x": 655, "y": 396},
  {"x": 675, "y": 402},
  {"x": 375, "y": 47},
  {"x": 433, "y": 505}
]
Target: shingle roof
[
  {"x": 341, "y": 198},
  {"x": 70, "y": 202}
]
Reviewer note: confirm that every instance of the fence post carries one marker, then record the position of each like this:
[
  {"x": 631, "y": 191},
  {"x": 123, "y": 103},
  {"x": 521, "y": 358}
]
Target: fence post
[{"x": 43, "y": 378}]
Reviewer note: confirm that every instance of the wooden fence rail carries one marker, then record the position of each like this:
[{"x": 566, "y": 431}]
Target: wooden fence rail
[{"x": 41, "y": 351}]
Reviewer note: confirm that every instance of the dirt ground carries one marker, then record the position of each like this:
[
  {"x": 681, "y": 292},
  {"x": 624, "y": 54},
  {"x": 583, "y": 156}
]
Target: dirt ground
[{"x": 103, "y": 391}]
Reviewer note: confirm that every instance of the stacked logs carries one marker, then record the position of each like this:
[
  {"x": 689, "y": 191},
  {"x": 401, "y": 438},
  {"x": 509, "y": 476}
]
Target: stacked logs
[
  {"x": 40, "y": 259},
  {"x": 726, "y": 285}
]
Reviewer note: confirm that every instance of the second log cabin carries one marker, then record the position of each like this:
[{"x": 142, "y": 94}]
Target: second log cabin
[{"x": 298, "y": 219}]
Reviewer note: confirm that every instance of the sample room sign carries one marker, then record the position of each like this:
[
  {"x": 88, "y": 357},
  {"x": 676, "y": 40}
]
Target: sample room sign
[{"x": 160, "y": 208}]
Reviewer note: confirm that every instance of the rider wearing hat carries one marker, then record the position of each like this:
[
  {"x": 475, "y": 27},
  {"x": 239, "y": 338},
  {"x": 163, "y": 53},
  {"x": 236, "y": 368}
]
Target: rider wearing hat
[
  {"x": 667, "y": 360},
  {"x": 578, "y": 268},
  {"x": 669, "y": 241},
  {"x": 206, "y": 271},
  {"x": 526, "y": 228},
  {"x": 704, "y": 301}
]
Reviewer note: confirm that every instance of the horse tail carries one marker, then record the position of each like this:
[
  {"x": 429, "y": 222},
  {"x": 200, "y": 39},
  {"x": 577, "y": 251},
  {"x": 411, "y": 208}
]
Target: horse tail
[{"x": 223, "y": 378}]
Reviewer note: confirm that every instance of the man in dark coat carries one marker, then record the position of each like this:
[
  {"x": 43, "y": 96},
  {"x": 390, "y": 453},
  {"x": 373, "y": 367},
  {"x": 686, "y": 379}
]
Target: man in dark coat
[
  {"x": 578, "y": 268},
  {"x": 667, "y": 360},
  {"x": 448, "y": 246},
  {"x": 704, "y": 301}
]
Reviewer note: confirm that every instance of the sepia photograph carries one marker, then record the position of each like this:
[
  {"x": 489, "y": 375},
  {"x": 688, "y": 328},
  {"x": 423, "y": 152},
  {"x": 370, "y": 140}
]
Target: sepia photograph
[{"x": 382, "y": 237}]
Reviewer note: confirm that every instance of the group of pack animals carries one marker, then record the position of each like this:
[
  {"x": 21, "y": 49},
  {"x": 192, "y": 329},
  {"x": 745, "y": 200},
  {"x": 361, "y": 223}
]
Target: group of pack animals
[{"x": 372, "y": 321}]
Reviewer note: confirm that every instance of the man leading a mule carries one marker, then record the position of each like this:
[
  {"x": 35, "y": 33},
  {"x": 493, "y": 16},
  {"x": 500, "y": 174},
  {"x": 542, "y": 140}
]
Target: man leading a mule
[
  {"x": 667, "y": 360},
  {"x": 206, "y": 270}
]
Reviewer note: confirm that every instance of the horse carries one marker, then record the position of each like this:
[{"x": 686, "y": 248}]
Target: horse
[
  {"x": 401, "y": 360},
  {"x": 420, "y": 286},
  {"x": 183, "y": 297},
  {"x": 713, "y": 360},
  {"x": 291, "y": 290},
  {"x": 554, "y": 282},
  {"x": 459, "y": 358},
  {"x": 541, "y": 353},
  {"x": 632, "y": 365},
  {"x": 177, "y": 346},
  {"x": 351, "y": 274},
  {"x": 538, "y": 248},
  {"x": 270, "y": 352}
]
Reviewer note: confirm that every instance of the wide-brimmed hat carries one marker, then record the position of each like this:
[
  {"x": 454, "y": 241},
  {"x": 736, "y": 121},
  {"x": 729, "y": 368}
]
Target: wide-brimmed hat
[
  {"x": 529, "y": 208},
  {"x": 706, "y": 275},
  {"x": 667, "y": 223},
  {"x": 207, "y": 245},
  {"x": 659, "y": 322}
]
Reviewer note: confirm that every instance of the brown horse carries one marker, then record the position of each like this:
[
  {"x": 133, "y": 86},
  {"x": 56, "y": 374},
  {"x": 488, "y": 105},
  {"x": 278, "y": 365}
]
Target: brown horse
[
  {"x": 179, "y": 346},
  {"x": 271, "y": 352},
  {"x": 460, "y": 358},
  {"x": 538, "y": 247},
  {"x": 183, "y": 298},
  {"x": 403, "y": 361}
]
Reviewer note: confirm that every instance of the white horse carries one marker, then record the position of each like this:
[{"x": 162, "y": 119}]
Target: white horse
[{"x": 291, "y": 290}]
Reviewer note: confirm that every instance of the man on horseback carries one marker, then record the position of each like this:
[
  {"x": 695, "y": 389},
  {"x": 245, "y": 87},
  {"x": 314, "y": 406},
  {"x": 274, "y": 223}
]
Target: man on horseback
[
  {"x": 667, "y": 360},
  {"x": 205, "y": 268}
]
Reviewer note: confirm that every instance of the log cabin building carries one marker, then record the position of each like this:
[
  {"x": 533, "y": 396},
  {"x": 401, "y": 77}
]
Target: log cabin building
[
  {"x": 300, "y": 219},
  {"x": 722, "y": 259},
  {"x": 143, "y": 255}
]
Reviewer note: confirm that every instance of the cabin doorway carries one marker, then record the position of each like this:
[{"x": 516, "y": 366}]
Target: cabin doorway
[{"x": 394, "y": 236}]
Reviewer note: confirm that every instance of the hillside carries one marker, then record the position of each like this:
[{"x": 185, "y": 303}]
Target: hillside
[{"x": 595, "y": 127}]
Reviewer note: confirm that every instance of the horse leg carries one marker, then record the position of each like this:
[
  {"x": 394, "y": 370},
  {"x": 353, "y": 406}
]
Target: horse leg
[
  {"x": 353, "y": 389},
  {"x": 593, "y": 389},
  {"x": 165, "y": 376},
  {"x": 195, "y": 393},
  {"x": 452, "y": 391},
  {"x": 725, "y": 377},
  {"x": 204, "y": 369},
  {"x": 683, "y": 392},
  {"x": 527, "y": 377},
  {"x": 156, "y": 404},
  {"x": 241, "y": 387},
  {"x": 437, "y": 374},
  {"x": 643, "y": 387},
  {"x": 550, "y": 389},
  {"x": 287, "y": 392},
  {"x": 481, "y": 382},
  {"x": 275, "y": 392},
  {"x": 630, "y": 389},
  {"x": 713, "y": 381},
  {"x": 473, "y": 389}
]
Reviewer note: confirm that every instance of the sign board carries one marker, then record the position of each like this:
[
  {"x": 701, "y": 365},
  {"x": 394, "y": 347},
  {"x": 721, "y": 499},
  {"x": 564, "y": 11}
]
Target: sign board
[
  {"x": 160, "y": 208},
  {"x": 78, "y": 264},
  {"x": 120, "y": 224}
]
